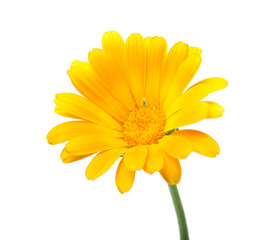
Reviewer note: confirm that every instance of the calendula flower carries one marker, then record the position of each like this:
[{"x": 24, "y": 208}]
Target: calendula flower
[{"x": 134, "y": 102}]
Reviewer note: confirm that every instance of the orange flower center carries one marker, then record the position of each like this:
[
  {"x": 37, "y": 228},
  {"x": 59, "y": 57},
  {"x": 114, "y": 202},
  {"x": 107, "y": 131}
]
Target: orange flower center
[{"x": 144, "y": 126}]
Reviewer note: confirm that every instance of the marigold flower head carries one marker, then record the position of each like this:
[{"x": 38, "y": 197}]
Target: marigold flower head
[{"x": 134, "y": 102}]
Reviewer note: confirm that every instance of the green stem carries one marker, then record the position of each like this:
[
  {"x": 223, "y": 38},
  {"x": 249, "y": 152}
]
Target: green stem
[{"x": 179, "y": 212}]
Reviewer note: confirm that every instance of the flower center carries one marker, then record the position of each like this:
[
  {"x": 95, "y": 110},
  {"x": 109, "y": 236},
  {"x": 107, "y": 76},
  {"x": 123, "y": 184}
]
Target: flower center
[{"x": 144, "y": 126}]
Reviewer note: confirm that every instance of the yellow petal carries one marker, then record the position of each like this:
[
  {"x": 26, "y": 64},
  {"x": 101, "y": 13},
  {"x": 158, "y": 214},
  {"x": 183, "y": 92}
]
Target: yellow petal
[
  {"x": 135, "y": 157},
  {"x": 171, "y": 170},
  {"x": 154, "y": 161},
  {"x": 83, "y": 77},
  {"x": 124, "y": 177},
  {"x": 215, "y": 110},
  {"x": 136, "y": 66},
  {"x": 83, "y": 109},
  {"x": 188, "y": 115},
  {"x": 188, "y": 70},
  {"x": 192, "y": 95},
  {"x": 89, "y": 85},
  {"x": 59, "y": 111},
  {"x": 201, "y": 142},
  {"x": 91, "y": 144},
  {"x": 69, "y": 130},
  {"x": 184, "y": 75},
  {"x": 147, "y": 41},
  {"x": 114, "y": 45},
  {"x": 196, "y": 93},
  {"x": 68, "y": 158},
  {"x": 176, "y": 56},
  {"x": 176, "y": 146},
  {"x": 195, "y": 51},
  {"x": 216, "y": 83},
  {"x": 102, "y": 162},
  {"x": 112, "y": 76},
  {"x": 156, "y": 55}
]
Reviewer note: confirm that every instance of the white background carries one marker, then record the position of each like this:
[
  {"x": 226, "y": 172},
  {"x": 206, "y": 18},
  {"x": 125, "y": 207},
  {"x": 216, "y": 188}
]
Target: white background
[{"x": 224, "y": 198}]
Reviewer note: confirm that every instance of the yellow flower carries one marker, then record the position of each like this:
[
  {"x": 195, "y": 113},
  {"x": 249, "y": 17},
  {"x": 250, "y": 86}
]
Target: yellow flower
[{"x": 134, "y": 102}]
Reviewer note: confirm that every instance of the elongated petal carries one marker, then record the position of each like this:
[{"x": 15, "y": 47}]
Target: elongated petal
[
  {"x": 176, "y": 146},
  {"x": 136, "y": 66},
  {"x": 135, "y": 157},
  {"x": 171, "y": 170},
  {"x": 197, "y": 92},
  {"x": 156, "y": 56},
  {"x": 90, "y": 86},
  {"x": 190, "y": 96},
  {"x": 216, "y": 83},
  {"x": 114, "y": 45},
  {"x": 194, "y": 51},
  {"x": 154, "y": 161},
  {"x": 176, "y": 56},
  {"x": 124, "y": 177},
  {"x": 147, "y": 41},
  {"x": 63, "y": 113},
  {"x": 69, "y": 130},
  {"x": 102, "y": 162},
  {"x": 185, "y": 73},
  {"x": 91, "y": 144},
  {"x": 201, "y": 142},
  {"x": 83, "y": 109},
  {"x": 190, "y": 114},
  {"x": 68, "y": 158},
  {"x": 112, "y": 76},
  {"x": 215, "y": 110}
]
